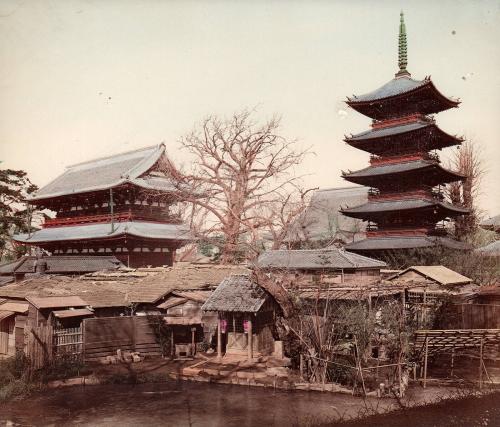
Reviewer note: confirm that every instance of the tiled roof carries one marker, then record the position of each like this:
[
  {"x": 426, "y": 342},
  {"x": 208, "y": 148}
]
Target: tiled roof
[
  {"x": 394, "y": 87},
  {"x": 313, "y": 259},
  {"x": 150, "y": 230},
  {"x": 16, "y": 307},
  {"x": 388, "y": 131},
  {"x": 236, "y": 293},
  {"x": 399, "y": 168},
  {"x": 397, "y": 205},
  {"x": 387, "y": 243},
  {"x": 11, "y": 266},
  {"x": 322, "y": 219},
  {"x": 108, "y": 172},
  {"x": 438, "y": 273},
  {"x": 68, "y": 264},
  {"x": 492, "y": 223},
  {"x": 493, "y": 249}
]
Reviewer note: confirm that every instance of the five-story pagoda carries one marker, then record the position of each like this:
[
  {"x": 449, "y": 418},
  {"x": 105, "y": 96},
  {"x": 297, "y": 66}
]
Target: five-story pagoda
[{"x": 406, "y": 207}]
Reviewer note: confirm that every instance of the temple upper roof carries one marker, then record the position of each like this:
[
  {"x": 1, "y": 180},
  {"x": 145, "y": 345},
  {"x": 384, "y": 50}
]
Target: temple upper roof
[
  {"x": 100, "y": 174},
  {"x": 141, "y": 229}
]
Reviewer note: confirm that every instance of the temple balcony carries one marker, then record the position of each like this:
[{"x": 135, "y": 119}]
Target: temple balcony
[
  {"x": 401, "y": 158},
  {"x": 432, "y": 230},
  {"x": 117, "y": 217},
  {"x": 398, "y": 121},
  {"x": 375, "y": 195}
]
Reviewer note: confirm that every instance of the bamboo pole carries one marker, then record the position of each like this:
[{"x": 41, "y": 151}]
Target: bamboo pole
[
  {"x": 219, "y": 337},
  {"x": 481, "y": 364},
  {"x": 425, "y": 359},
  {"x": 250, "y": 338}
]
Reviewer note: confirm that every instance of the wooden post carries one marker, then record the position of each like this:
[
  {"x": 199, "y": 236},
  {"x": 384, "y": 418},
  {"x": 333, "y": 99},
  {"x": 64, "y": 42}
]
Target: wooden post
[
  {"x": 250, "y": 338},
  {"x": 219, "y": 337},
  {"x": 452, "y": 361},
  {"x": 172, "y": 344},
  {"x": 301, "y": 366},
  {"x": 481, "y": 364},
  {"x": 425, "y": 359},
  {"x": 193, "y": 344}
]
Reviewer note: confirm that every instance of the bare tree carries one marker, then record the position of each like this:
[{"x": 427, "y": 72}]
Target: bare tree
[
  {"x": 468, "y": 162},
  {"x": 241, "y": 169}
]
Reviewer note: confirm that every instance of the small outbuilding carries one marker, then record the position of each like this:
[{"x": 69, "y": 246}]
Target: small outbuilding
[
  {"x": 12, "y": 320},
  {"x": 66, "y": 311},
  {"x": 246, "y": 314},
  {"x": 436, "y": 274}
]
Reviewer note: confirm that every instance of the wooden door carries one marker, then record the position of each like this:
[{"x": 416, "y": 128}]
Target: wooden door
[{"x": 4, "y": 336}]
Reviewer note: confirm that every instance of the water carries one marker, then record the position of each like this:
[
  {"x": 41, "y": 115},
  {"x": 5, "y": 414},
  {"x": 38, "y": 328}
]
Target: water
[
  {"x": 175, "y": 404},
  {"x": 199, "y": 404}
]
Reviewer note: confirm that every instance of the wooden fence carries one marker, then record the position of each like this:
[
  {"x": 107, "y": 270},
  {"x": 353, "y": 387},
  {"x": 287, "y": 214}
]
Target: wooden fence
[
  {"x": 39, "y": 345},
  {"x": 471, "y": 316},
  {"x": 103, "y": 336}
]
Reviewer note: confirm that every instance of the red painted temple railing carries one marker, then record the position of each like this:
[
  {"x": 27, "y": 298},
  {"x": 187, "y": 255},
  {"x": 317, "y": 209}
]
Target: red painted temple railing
[
  {"x": 380, "y": 124},
  {"x": 376, "y": 196},
  {"x": 378, "y": 161},
  {"x": 393, "y": 232},
  {"x": 117, "y": 217}
]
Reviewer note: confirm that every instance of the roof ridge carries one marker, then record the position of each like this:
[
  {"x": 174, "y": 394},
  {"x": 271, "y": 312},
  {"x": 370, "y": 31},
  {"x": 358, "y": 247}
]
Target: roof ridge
[{"x": 114, "y": 155}]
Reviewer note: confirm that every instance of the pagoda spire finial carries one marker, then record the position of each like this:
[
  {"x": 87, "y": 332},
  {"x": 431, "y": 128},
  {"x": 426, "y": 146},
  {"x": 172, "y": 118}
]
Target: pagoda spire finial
[{"x": 402, "y": 48}]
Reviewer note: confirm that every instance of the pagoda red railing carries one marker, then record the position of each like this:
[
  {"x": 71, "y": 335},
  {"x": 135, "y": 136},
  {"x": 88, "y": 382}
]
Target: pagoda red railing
[
  {"x": 377, "y": 160},
  {"x": 376, "y": 196},
  {"x": 380, "y": 124}
]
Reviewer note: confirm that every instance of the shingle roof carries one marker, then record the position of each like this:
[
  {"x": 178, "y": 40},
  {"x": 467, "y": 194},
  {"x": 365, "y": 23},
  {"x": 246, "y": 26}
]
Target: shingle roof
[
  {"x": 107, "y": 172},
  {"x": 120, "y": 288},
  {"x": 68, "y": 264},
  {"x": 149, "y": 230},
  {"x": 313, "y": 259},
  {"x": 438, "y": 273},
  {"x": 5, "y": 280},
  {"x": 322, "y": 219},
  {"x": 8, "y": 268},
  {"x": 387, "y": 243},
  {"x": 16, "y": 307},
  {"x": 79, "y": 312},
  {"x": 56, "y": 301},
  {"x": 398, "y": 205},
  {"x": 236, "y": 293}
]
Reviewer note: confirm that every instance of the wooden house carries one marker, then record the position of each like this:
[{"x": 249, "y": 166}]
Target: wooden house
[
  {"x": 246, "y": 314},
  {"x": 12, "y": 319},
  {"x": 66, "y": 311},
  {"x": 332, "y": 265}
]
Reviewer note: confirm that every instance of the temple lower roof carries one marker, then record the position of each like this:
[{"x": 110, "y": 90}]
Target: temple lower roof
[
  {"x": 401, "y": 205},
  {"x": 141, "y": 229},
  {"x": 403, "y": 242},
  {"x": 363, "y": 175}
]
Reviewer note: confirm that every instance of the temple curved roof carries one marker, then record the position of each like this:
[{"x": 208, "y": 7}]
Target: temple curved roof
[
  {"x": 400, "y": 96},
  {"x": 394, "y": 87},
  {"x": 417, "y": 135},
  {"x": 372, "y": 207},
  {"x": 405, "y": 242},
  {"x": 108, "y": 172},
  {"x": 142, "y": 229},
  {"x": 364, "y": 176}
]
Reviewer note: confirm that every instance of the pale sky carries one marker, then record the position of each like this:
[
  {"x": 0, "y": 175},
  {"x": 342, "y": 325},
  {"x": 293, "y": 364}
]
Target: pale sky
[{"x": 83, "y": 79}]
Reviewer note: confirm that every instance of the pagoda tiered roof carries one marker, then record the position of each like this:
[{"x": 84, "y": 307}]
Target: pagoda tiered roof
[
  {"x": 401, "y": 96},
  {"x": 426, "y": 134},
  {"x": 429, "y": 173},
  {"x": 143, "y": 230},
  {"x": 132, "y": 168},
  {"x": 405, "y": 242},
  {"x": 373, "y": 209}
]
